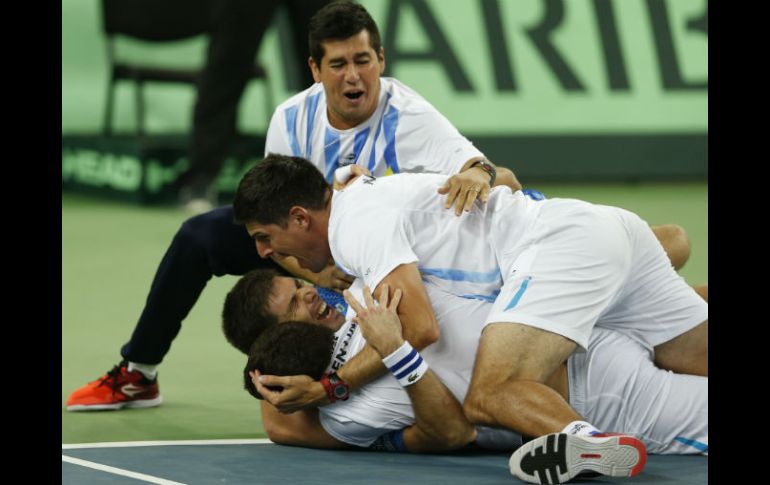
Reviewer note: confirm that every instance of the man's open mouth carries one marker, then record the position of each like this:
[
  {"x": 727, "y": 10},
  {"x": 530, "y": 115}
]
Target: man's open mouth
[
  {"x": 324, "y": 311},
  {"x": 354, "y": 94}
]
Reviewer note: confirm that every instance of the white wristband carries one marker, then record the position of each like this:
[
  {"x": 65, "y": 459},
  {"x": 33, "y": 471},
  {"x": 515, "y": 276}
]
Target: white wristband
[
  {"x": 406, "y": 365},
  {"x": 342, "y": 174}
]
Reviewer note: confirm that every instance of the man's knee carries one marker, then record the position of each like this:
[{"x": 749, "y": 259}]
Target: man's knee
[
  {"x": 477, "y": 401},
  {"x": 511, "y": 353},
  {"x": 203, "y": 232},
  {"x": 675, "y": 242},
  {"x": 702, "y": 290}
]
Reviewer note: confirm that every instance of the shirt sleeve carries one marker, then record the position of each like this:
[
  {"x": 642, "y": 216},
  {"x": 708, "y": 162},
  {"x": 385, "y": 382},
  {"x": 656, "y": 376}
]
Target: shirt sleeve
[
  {"x": 351, "y": 432},
  {"x": 376, "y": 245},
  {"x": 429, "y": 143},
  {"x": 276, "y": 140}
]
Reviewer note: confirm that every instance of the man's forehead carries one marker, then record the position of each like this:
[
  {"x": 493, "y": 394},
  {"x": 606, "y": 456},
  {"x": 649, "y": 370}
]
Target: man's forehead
[
  {"x": 359, "y": 44},
  {"x": 283, "y": 285},
  {"x": 280, "y": 295},
  {"x": 255, "y": 228}
]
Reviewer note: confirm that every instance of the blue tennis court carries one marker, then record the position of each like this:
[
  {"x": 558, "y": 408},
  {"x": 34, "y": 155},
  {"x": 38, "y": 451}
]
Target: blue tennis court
[{"x": 262, "y": 462}]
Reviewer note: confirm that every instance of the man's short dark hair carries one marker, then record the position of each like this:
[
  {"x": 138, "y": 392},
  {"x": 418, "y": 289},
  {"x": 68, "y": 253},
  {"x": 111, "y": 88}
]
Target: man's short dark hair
[
  {"x": 288, "y": 349},
  {"x": 338, "y": 21},
  {"x": 245, "y": 315},
  {"x": 271, "y": 187}
]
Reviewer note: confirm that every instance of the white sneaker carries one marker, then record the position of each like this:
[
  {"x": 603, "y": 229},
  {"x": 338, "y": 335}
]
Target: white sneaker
[{"x": 560, "y": 457}]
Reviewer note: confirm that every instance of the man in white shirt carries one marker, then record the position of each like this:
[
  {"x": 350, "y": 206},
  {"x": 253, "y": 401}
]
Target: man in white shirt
[
  {"x": 557, "y": 266},
  {"x": 614, "y": 384}
]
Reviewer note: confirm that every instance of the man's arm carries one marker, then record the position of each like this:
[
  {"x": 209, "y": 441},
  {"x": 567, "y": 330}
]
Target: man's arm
[
  {"x": 302, "y": 428},
  {"x": 440, "y": 424},
  {"x": 420, "y": 328},
  {"x": 418, "y": 322},
  {"x": 331, "y": 277}
]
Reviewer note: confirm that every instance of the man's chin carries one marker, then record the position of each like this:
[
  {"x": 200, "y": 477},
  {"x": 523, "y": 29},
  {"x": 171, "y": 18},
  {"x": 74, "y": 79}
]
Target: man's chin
[{"x": 308, "y": 265}]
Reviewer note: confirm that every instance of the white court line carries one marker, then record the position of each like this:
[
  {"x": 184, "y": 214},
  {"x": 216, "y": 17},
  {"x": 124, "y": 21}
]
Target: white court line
[
  {"x": 118, "y": 471},
  {"x": 128, "y": 444}
]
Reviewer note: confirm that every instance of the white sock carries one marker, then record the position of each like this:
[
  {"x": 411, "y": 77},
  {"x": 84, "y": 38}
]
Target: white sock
[
  {"x": 149, "y": 371},
  {"x": 580, "y": 428}
]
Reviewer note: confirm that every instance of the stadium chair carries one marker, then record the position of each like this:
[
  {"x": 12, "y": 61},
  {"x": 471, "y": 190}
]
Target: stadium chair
[{"x": 141, "y": 73}]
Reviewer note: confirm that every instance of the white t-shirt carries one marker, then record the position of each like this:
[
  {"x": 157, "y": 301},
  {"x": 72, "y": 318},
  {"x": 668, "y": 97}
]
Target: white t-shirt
[
  {"x": 404, "y": 134},
  {"x": 383, "y": 405},
  {"x": 378, "y": 224},
  {"x": 372, "y": 410},
  {"x": 615, "y": 385}
]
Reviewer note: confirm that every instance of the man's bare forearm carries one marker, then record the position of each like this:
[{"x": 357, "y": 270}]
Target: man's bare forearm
[{"x": 363, "y": 368}]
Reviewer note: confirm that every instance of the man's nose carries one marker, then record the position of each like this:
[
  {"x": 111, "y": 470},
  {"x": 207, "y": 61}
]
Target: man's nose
[
  {"x": 351, "y": 73},
  {"x": 263, "y": 249},
  {"x": 308, "y": 293}
]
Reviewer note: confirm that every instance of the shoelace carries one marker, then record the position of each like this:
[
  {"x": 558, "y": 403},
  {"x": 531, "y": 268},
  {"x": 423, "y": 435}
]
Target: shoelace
[{"x": 111, "y": 377}]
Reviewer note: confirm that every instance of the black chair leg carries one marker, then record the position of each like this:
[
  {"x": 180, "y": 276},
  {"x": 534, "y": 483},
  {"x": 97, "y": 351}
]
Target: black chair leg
[
  {"x": 107, "y": 126},
  {"x": 139, "y": 93},
  {"x": 268, "y": 101}
]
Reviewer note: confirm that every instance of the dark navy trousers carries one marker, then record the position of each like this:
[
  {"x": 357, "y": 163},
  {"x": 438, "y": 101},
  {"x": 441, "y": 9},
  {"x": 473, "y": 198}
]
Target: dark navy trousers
[{"x": 207, "y": 244}]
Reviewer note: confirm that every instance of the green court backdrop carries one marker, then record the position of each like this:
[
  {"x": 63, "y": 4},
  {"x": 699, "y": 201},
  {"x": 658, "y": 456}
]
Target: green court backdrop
[{"x": 604, "y": 89}]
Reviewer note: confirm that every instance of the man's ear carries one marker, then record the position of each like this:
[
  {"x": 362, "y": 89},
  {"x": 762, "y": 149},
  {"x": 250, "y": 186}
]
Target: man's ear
[
  {"x": 299, "y": 216},
  {"x": 381, "y": 56},
  {"x": 315, "y": 69}
]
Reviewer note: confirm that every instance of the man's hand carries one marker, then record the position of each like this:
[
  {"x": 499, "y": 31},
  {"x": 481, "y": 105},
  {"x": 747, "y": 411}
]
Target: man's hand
[
  {"x": 464, "y": 188},
  {"x": 379, "y": 322},
  {"x": 296, "y": 392},
  {"x": 344, "y": 176},
  {"x": 330, "y": 277},
  {"x": 333, "y": 278}
]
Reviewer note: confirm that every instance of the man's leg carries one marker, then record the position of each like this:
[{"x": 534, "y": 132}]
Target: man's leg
[
  {"x": 616, "y": 386},
  {"x": 507, "y": 387},
  {"x": 659, "y": 308},
  {"x": 675, "y": 242},
  {"x": 236, "y": 31},
  {"x": 158, "y": 19},
  {"x": 300, "y": 12},
  {"x": 702, "y": 291},
  {"x": 206, "y": 244},
  {"x": 508, "y": 390}
]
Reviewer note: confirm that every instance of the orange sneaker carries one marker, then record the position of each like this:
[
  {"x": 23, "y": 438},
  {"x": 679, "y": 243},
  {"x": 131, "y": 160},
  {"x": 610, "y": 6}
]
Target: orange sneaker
[{"x": 117, "y": 389}]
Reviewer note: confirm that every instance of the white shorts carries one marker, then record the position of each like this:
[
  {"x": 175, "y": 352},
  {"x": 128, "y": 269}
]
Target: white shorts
[
  {"x": 460, "y": 321},
  {"x": 578, "y": 265},
  {"x": 617, "y": 388}
]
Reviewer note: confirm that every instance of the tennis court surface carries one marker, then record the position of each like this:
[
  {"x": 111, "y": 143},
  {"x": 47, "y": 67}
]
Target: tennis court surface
[{"x": 260, "y": 461}]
